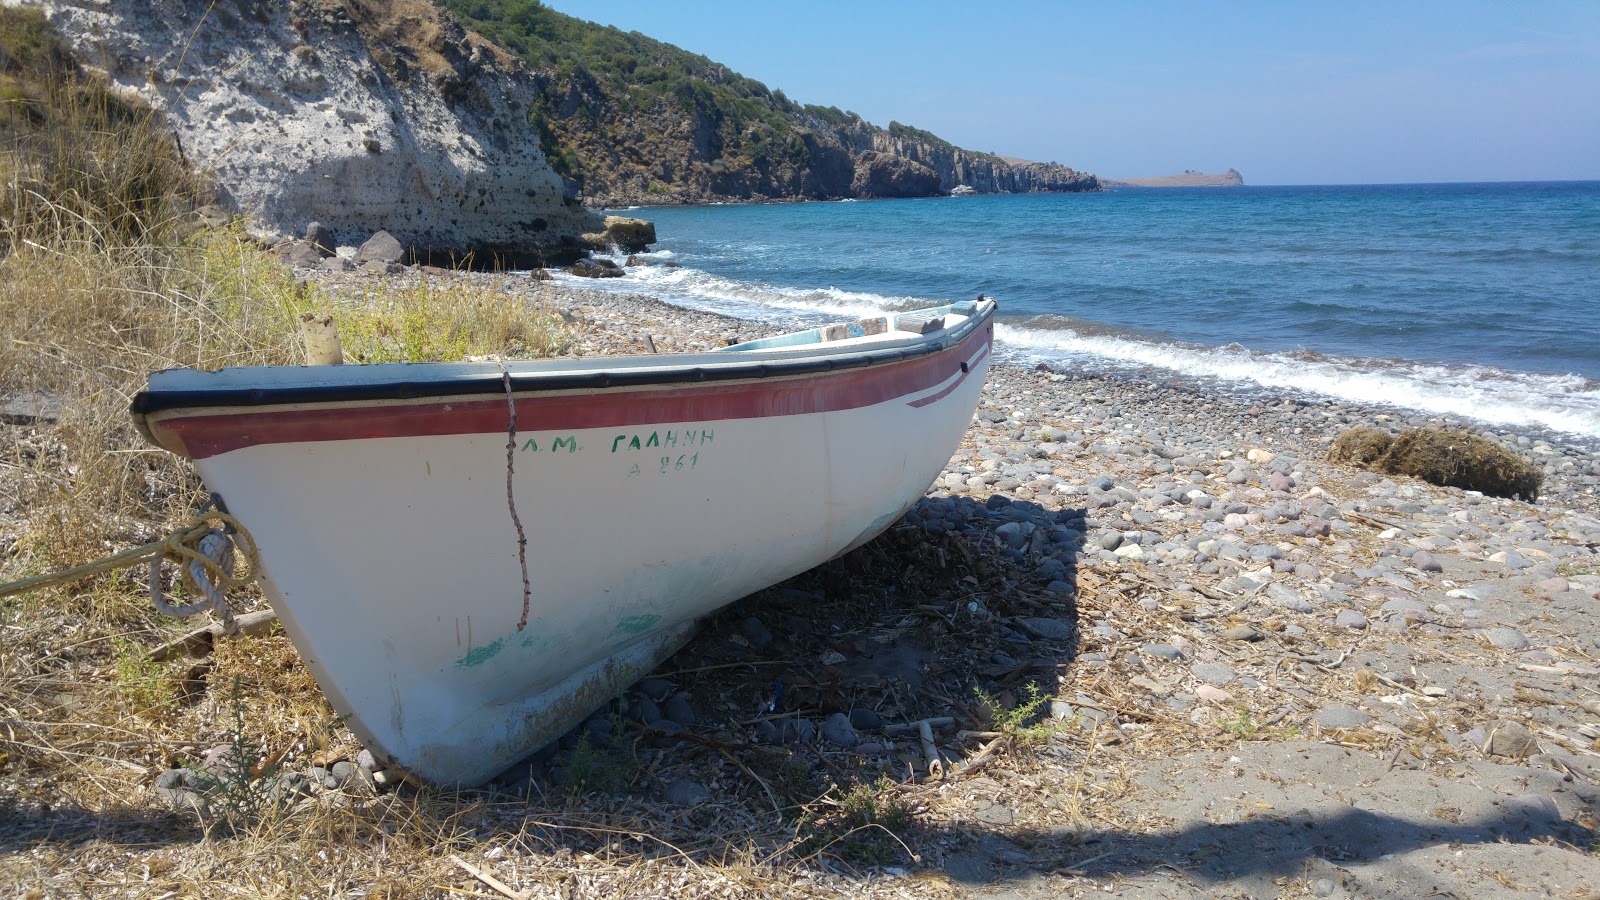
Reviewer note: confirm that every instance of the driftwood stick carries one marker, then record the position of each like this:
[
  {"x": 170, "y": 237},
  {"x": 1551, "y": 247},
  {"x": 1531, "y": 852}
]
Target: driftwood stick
[
  {"x": 981, "y": 759},
  {"x": 978, "y": 735},
  {"x": 198, "y": 643},
  {"x": 930, "y": 750},
  {"x": 903, "y": 730},
  {"x": 486, "y": 878}
]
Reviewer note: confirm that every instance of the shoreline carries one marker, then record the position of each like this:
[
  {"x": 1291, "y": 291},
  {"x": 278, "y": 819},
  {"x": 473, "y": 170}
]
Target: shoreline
[{"x": 1261, "y": 414}]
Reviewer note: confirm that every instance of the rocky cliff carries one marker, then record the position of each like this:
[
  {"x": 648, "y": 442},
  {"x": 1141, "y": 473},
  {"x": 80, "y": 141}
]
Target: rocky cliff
[
  {"x": 360, "y": 114},
  {"x": 636, "y": 120}
]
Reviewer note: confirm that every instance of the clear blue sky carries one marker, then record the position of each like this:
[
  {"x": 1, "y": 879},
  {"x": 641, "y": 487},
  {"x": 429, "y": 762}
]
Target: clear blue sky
[{"x": 1287, "y": 93}]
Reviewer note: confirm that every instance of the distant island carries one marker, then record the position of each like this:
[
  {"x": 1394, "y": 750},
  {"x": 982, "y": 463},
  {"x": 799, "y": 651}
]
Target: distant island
[{"x": 1190, "y": 178}]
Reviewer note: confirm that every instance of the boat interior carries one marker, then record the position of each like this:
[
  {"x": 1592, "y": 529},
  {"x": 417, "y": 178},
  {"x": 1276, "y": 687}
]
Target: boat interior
[{"x": 872, "y": 330}]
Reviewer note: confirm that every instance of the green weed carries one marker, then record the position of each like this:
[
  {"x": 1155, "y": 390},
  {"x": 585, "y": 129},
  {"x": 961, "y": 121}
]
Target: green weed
[
  {"x": 1247, "y": 729},
  {"x": 239, "y": 787},
  {"x": 1025, "y": 723},
  {"x": 603, "y": 769},
  {"x": 863, "y": 825},
  {"x": 141, "y": 681}
]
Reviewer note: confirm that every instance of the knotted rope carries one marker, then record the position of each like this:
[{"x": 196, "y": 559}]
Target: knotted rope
[{"x": 203, "y": 547}]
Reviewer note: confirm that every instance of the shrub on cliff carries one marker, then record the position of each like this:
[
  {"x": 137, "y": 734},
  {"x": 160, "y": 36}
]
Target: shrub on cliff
[
  {"x": 1442, "y": 456},
  {"x": 80, "y": 161}
]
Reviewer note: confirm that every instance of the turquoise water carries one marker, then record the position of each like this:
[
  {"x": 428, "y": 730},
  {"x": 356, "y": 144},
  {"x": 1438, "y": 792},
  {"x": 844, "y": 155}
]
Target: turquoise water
[{"x": 1480, "y": 300}]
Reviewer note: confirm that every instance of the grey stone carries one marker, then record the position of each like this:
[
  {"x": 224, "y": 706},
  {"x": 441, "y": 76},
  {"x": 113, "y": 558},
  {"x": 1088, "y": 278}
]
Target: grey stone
[
  {"x": 381, "y": 247},
  {"x": 686, "y": 793},
  {"x": 1213, "y": 673},
  {"x": 1162, "y": 651},
  {"x": 302, "y": 255},
  {"x": 646, "y": 710},
  {"x": 865, "y": 719},
  {"x": 349, "y": 777},
  {"x": 1507, "y": 638},
  {"x": 1512, "y": 740},
  {"x": 1047, "y": 628},
  {"x": 837, "y": 730},
  {"x": 597, "y": 268},
  {"x": 1349, "y": 618},
  {"x": 318, "y": 236},
  {"x": 679, "y": 710},
  {"x": 1337, "y": 715},
  {"x": 656, "y": 689},
  {"x": 599, "y": 731},
  {"x": 1424, "y": 561},
  {"x": 367, "y": 761},
  {"x": 1513, "y": 560},
  {"x": 756, "y": 632},
  {"x": 1108, "y": 540}
]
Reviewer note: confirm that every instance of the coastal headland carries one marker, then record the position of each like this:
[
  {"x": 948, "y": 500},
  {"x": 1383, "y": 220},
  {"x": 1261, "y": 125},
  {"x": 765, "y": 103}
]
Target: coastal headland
[{"x": 1230, "y": 178}]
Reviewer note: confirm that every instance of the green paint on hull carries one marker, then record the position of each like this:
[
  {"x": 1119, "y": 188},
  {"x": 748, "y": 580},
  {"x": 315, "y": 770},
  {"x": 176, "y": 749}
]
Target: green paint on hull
[{"x": 477, "y": 656}]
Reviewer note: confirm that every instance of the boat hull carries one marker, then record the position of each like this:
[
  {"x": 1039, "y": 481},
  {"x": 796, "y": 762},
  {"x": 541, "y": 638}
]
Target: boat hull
[{"x": 389, "y": 551}]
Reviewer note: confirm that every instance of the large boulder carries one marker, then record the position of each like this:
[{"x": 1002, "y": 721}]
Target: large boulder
[
  {"x": 630, "y": 235},
  {"x": 381, "y": 247},
  {"x": 318, "y": 236},
  {"x": 596, "y": 268},
  {"x": 884, "y": 175}
]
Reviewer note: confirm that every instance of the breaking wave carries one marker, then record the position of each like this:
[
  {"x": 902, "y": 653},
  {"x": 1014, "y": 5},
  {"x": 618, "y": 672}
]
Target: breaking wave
[{"x": 1497, "y": 397}]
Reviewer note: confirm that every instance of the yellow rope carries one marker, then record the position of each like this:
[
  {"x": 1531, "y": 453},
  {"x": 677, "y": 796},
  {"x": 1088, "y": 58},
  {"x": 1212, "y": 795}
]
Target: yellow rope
[{"x": 177, "y": 546}]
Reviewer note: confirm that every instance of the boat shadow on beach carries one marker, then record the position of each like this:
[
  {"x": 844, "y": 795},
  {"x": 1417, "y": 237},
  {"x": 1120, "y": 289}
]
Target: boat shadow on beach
[{"x": 789, "y": 728}]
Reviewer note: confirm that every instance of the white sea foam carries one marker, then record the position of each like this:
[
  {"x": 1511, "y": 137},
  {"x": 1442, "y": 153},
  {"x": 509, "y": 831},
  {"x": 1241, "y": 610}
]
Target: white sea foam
[
  {"x": 1495, "y": 396},
  {"x": 1566, "y": 403},
  {"x": 701, "y": 290}
]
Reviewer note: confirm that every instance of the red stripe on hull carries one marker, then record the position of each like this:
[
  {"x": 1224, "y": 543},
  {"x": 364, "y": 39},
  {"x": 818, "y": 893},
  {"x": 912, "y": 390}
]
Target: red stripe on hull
[
  {"x": 202, "y": 436},
  {"x": 965, "y": 371}
]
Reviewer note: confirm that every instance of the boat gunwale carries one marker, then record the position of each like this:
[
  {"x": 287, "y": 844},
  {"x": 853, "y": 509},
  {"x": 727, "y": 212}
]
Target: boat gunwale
[{"x": 688, "y": 369}]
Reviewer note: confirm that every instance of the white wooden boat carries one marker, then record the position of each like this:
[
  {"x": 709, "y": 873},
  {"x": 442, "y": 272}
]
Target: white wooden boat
[{"x": 652, "y": 490}]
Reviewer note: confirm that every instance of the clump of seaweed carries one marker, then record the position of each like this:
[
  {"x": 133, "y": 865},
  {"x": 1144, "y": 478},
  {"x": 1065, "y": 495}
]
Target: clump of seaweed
[
  {"x": 1360, "y": 446},
  {"x": 1442, "y": 456}
]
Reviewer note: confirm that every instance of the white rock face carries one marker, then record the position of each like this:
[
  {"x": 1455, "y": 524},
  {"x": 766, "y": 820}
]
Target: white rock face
[{"x": 289, "y": 107}]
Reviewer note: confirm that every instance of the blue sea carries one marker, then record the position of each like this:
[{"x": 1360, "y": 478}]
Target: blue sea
[{"x": 1472, "y": 300}]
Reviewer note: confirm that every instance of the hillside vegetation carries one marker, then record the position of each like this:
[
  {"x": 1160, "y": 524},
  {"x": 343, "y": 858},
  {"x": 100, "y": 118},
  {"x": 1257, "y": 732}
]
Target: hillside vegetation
[{"x": 637, "y": 120}]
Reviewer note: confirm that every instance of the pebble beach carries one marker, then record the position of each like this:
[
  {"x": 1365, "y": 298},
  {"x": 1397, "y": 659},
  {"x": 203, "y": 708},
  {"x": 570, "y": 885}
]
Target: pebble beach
[
  {"x": 1408, "y": 670},
  {"x": 1252, "y": 672}
]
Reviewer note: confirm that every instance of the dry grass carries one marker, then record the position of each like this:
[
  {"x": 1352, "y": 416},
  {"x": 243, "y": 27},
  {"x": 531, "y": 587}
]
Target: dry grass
[{"x": 104, "y": 278}]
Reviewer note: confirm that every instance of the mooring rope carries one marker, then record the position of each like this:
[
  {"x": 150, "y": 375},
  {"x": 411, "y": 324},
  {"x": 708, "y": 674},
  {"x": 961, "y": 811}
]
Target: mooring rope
[
  {"x": 511, "y": 498},
  {"x": 203, "y": 547}
]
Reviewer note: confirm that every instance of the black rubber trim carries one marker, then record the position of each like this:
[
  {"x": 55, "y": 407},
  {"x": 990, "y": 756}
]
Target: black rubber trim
[{"x": 148, "y": 401}]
